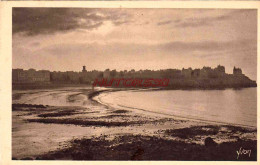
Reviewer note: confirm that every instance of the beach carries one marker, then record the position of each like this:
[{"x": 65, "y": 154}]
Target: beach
[{"x": 74, "y": 124}]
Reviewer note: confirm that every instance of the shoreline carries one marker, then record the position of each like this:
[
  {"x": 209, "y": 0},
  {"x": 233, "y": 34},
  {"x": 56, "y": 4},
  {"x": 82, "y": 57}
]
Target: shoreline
[
  {"x": 117, "y": 127},
  {"x": 51, "y": 85},
  {"x": 96, "y": 93}
]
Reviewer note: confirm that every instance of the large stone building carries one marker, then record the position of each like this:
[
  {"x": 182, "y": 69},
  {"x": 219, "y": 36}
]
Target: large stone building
[
  {"x": 186, "y": 72},
  {"x": 237, "y": 71},
  {"x": 106, "y": 73},
  {"x": 205, "y": 72},
  {"x": 30, "y": 76}
]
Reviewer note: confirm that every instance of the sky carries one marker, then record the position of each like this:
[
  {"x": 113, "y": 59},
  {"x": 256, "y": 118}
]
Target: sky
[{"x": 65, "y": 39}]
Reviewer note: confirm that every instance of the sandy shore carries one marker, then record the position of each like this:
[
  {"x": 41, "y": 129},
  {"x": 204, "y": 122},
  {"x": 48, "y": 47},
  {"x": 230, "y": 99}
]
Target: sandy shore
[{"x": 83, "y": 132}]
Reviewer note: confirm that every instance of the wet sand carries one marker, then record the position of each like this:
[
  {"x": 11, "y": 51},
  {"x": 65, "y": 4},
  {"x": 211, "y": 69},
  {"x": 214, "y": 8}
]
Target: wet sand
[{"x": 83, "y": 132}]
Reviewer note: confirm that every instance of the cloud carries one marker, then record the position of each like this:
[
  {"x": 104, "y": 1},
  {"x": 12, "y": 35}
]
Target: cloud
[
  {"x": 172, "y": 48},
  {"x": 164, "y": 23},
  {"x": 193, "y": 24},
  {"x": 42, "y": 20},
  {"x": 33, "y": 21},
  {"x": 196, "y": 21},
  {"x": 117, "y": 55},
  {"x": 111, "y": 37},
  {"x": 200, "y": 21}
]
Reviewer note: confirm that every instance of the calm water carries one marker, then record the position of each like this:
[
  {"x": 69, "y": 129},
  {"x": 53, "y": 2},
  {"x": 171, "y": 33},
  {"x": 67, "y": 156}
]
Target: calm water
[{"x": 227, "y": 106}]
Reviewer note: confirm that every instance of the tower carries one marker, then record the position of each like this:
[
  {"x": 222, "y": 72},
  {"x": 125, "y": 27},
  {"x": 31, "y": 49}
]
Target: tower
[
  {"x": 237, "y": 71},
  {"x": 84, "y": 69}
]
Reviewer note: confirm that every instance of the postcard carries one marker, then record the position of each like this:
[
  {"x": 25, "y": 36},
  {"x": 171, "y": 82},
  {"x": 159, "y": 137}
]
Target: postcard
[{"x": 129, "y": 81}]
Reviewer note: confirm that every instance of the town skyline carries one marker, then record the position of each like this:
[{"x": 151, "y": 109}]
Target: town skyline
[
  {"x": 110, "y": 69},
  {"x": 186, "y": 78},
  {"x": 125, "y": 70}
]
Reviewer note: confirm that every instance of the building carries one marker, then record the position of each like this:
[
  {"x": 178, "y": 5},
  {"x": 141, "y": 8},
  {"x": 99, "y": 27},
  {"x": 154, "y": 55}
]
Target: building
[
  {"x": 237, "y": 71},
  {"x": 176, "y": 73},
  {"x": 30, "y": 76},
  {"x": 17, "y": 75},
  {"x": 186, "y": 72},
  {"x": 73, "y": 76},
  {"x": 106, "y": 73},
  {"x": 205, "y": 71},
  {"x": 220, "y": 69},
  {"x": 195, "y": 73}
]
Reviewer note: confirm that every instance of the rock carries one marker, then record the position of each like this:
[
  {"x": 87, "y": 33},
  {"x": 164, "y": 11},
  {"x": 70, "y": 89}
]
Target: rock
[
  {"x": 138, "y": 154},
  {"x": 209, "y": 142},
  {"x": 27, "y": 158}
]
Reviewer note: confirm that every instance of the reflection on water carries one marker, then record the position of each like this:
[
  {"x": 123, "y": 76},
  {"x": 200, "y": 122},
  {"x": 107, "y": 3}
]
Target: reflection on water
[
  {"x": 228, "y": 106},
  {"x": 65, "y": 97}
]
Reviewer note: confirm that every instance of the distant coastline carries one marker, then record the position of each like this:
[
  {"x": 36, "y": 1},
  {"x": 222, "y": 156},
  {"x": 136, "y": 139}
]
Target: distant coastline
[{"x": 205, "y": 78}]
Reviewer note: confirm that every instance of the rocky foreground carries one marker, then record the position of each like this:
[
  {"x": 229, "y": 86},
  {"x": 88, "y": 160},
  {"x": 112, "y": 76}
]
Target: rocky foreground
[{"x": 127, "y": 135}]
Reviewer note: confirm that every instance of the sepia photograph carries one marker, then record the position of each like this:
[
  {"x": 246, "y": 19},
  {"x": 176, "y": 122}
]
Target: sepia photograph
[{"x": 172, "y": 84}]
